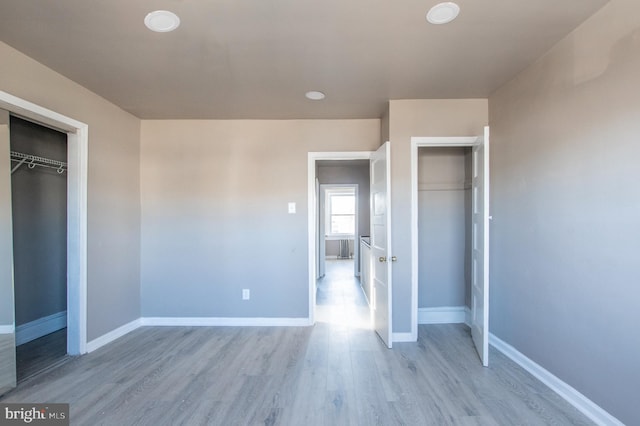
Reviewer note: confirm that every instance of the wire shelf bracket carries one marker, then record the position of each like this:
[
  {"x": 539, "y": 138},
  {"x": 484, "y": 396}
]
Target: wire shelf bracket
[{"x": 33, "y": 160}]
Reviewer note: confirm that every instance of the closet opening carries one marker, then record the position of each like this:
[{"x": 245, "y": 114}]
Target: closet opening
[
  {"x": 76, "y": 133},
  {"x": 39, "y": 217},
  {"x": 450, "y": 234},
  {"x": 444, "y": 239}
]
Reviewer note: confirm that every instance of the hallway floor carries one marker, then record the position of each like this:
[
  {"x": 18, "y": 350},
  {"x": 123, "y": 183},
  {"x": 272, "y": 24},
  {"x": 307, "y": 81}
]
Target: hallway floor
[{"x": 340, "y": 300}]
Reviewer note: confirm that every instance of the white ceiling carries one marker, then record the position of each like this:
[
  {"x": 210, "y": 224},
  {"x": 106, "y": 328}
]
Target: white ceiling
[{"x": 256, "y": 59}]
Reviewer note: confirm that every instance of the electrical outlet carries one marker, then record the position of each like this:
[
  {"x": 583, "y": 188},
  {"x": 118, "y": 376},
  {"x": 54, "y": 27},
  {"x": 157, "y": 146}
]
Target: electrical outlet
[{"x": 246, "y": 294}]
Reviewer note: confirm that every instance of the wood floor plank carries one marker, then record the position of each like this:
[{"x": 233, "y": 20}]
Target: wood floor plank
[
  {"x": 371, "y": 404},
  {"x": 334, "y": 373},
  {"x": 7, "y": 362}
]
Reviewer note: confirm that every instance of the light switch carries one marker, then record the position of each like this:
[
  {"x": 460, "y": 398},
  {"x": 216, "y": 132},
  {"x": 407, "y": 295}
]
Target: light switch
[{"x": 292, "y": 208}]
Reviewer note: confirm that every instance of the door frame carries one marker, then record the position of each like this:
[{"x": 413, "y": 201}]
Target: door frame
[
  {"x": 416, "y": 143},
  {"x": 312, "y": 212},
  {"x": 77, "y": 160}
]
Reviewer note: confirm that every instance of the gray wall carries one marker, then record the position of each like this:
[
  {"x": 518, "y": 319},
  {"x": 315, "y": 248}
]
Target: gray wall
[
  {"x": 214, "y": 213},
  {"x": 113, "y": 227},
  {"x": 332, "y": 248},
  {"x": 356, "y": 172},
  {"x": 565, "y": 239},
  {"x": 443, "y": 189},
  {"x": 39, "y": 205},
  {"x": 384, "y": 125}
]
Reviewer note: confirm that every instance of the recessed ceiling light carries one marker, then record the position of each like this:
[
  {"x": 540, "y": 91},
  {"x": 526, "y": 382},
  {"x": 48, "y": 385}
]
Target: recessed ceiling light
[
  {"x": 443, "y": 13},
  {"x": 162, "y": 21},
  {"x": 315, "y": 95}
]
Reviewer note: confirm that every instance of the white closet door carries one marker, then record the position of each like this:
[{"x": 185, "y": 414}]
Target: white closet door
[
  {"x": 381, "y": 242},
  {"x": 480, "y": 248}
]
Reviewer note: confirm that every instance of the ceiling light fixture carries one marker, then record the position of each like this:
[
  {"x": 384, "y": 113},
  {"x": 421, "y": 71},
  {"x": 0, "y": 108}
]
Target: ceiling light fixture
[
  {"x": 162, "y": 21},
  {"x": 443, "y": 13},
  {"x": 315, "y": 95}
]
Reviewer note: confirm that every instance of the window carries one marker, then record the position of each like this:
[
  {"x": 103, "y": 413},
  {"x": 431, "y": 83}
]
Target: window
[{"x": 341, "y": 211}]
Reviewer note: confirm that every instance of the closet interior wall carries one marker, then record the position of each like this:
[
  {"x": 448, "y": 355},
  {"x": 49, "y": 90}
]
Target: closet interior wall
[
  {"x": 444, "y": 223},
  {"x": 39, "y": 210}
]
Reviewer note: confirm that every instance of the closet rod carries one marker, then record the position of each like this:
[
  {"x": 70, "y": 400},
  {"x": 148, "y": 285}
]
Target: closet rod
[{"x": 34, "y": 160}]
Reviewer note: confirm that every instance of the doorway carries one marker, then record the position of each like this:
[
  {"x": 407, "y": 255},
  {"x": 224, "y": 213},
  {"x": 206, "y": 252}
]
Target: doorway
[
  {"x": 39, "y": 217},
  {"x": 343, "y": 220},
  {"x": 444, "y": 238},
  {"x": 345, "y": 176},
  {"x": 380, "y": 300},
  {"x": 450, "y": 234},
  {"x": 76, "y": 248}
]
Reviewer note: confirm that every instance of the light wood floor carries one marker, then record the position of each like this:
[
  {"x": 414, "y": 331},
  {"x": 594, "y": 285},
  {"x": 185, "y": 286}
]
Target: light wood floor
[{"x": 335, "y": 373}]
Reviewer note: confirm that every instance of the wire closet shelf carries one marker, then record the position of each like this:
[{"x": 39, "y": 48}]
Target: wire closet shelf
[{"x": 33, "y": 161}]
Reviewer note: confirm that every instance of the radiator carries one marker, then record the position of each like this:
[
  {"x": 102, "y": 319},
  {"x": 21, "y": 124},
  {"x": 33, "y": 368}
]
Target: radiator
[{"x": 344, "y": 251}]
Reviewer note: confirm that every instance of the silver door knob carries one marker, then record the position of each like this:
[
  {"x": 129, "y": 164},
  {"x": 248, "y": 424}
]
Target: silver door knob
[{"x": 382, "y": 259}]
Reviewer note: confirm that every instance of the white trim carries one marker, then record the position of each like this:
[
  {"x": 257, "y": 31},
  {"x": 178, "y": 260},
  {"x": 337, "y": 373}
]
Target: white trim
[
  {"x": 414, "y": 238},
  {"x": 42, "y": 115},
  {"x": 339, "y": 189},
  {"x": 7, "y": 329},
  {"x": 312, "y": 236},
  {"x": 417, "y": 142},
  {"x": 338, "y": 237},
  {"x": 484, "y": 142},
  {"x": 403, "y": 337},
  {"x": 113, "y": 335},
  {"x": 443, "y": 315},
  {"x": 389, "y": 253},
  {"x": 444, "y": 140},
  {"x": 570, "y": 394},
  {"x": 40, "y": 327},
  {"x": 194, "y": 322},
  {"x": 77, "y": 147},
  {"x": 78, "y": 159},
  {"x": 224, "y": 322}
]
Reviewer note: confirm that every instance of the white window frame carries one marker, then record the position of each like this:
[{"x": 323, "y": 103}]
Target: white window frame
[{"x": 337, "y": 189}]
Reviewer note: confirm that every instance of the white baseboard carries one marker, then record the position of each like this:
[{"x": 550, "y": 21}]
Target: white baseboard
[
  {"x": 7, "y": 329},
  {"x": 193, "y": 321},
  {"x": 225, "y": 322},
  {"x": 444, "y": 315},
  {"x": 40, "y": 327},
  {"x": 112, "y": 335},
  {"x": 403, "y": 337},
  {"x": 571, "y": 395}
]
